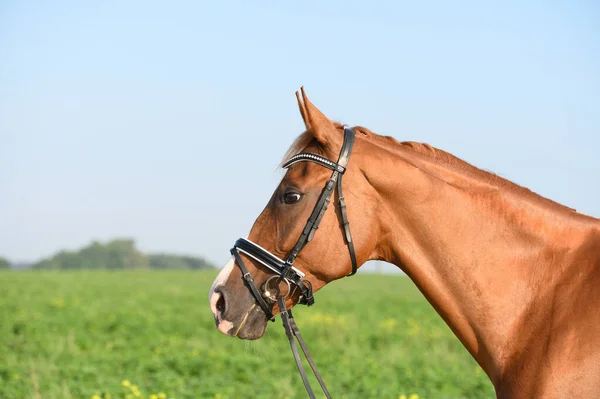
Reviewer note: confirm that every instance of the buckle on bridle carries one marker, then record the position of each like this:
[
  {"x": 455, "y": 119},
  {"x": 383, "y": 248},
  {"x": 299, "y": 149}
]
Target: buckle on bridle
[
  {"x": 307, "y": 297},
  {"x": 247, "y": 277}
]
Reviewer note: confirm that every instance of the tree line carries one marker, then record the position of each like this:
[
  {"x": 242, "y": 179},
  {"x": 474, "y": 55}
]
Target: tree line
[{"x": 115, "y": 254}]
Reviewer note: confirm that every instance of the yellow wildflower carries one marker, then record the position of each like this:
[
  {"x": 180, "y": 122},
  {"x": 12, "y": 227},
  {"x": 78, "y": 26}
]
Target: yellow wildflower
[
  {"x": 96, "y": 396},
  {"x": 153, "y": 396},
  {"x": 388, "y": 324},
  {"x": 58, "y": 303},
  {"x": 162, "y": 395},
  {"x": 413, "y": 396},
  {"x": 126, "y": 383},
  {"x": 402, "y": 397}
]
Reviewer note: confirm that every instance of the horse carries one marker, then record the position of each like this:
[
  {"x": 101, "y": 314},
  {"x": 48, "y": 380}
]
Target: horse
[{"x": 515, "y": 276}]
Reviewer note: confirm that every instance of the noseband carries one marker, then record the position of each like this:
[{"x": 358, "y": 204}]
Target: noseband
[{"x": 284, "y": 269}]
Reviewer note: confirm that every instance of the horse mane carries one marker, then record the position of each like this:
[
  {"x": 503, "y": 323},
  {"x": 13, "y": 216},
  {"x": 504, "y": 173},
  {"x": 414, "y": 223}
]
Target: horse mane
[{"x": 427, "y": 152}]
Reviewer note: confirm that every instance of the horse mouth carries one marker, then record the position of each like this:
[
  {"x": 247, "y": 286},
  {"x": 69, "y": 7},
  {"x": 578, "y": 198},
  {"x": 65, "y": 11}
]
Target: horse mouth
[{"x": 251, "y": 326}]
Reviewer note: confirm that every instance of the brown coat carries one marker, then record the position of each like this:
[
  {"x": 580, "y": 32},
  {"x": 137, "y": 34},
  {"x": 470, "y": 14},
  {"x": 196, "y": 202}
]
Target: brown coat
[{"x": 515, "y": 276}]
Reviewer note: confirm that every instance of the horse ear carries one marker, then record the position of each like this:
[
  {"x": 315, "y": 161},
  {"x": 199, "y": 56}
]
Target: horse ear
[
  {"x": 321, "y": 127},
  {"x": 302, "y": 108}
]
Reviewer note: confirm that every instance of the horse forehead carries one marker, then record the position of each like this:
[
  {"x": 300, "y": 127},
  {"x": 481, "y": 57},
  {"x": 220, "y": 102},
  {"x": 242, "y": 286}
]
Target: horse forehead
[{"x": 306, "y": 173}]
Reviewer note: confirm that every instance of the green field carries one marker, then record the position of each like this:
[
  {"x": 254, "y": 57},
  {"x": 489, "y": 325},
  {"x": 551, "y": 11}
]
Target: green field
[{"x": 97, "y": 334}]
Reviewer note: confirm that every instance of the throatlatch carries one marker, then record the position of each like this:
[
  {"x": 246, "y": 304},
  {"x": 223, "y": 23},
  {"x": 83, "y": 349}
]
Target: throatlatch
[{"x": 284, "y": 269}]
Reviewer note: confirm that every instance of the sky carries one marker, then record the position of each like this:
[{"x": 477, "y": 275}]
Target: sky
[{"x": 166, "y": 121}]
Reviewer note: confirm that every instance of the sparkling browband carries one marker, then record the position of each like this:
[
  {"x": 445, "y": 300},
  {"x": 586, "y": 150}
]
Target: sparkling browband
[{"x": 309, "y": 156}]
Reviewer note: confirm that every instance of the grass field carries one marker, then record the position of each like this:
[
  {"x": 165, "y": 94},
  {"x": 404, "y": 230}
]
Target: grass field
[{"x": 150, "y": 334}]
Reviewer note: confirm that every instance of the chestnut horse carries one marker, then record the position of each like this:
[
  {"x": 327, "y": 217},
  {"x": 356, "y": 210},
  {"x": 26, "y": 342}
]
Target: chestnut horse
[{"x": 515, "y": 276}]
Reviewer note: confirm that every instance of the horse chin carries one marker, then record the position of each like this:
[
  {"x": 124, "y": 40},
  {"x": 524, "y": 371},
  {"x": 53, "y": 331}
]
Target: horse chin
[
  {"x": 253, "y": 333},
  {"x": 254, "y": 325},
  {"x": 251, "y": 326}
]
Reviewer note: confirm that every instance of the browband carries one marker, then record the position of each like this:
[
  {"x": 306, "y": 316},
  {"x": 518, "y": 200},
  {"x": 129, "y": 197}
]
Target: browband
[{"x": 309, "y": 156}]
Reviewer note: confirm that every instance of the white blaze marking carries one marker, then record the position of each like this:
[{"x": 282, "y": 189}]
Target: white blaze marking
[
  {"x": 221, "y": 278},
  {"x": 223, "y": 325}
]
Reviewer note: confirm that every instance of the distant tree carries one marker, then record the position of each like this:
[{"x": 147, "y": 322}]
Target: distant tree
[
  {"x": 118, "y": 254},
  {"x": 165, "y": 261},
  {"x": 4, "y": 264},
  {"x": 122, "y": 254}
]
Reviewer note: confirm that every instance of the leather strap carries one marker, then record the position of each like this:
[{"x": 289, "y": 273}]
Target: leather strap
[
  {"x": 346, "y": 228},
  {"x": 293, "y": 332},
  {"x": 252, "y": 286},
  {"x": 346, "y": 147},
  {"x": 315, "y": 217},
  {"x": 322, "y": 203},
  {"x": 269, "y": 260},
  {"x": 284, "y": 269}
]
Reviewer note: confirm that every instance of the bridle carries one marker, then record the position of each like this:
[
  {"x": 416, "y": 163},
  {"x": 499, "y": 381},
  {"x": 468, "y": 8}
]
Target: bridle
[{"x": 284, "y": 269}]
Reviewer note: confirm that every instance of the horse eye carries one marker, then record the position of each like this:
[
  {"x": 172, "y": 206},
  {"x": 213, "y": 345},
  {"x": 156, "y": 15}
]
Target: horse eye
[{"x": 291, "y": 197}]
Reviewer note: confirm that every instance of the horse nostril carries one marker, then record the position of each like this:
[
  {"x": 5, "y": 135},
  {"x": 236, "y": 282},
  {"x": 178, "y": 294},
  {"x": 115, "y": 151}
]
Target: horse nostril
[{"x": 221, "y": 304}]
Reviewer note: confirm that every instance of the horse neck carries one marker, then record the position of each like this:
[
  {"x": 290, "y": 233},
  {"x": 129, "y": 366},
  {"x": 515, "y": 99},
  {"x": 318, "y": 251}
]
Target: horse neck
[{"x": 473, "y": 248}]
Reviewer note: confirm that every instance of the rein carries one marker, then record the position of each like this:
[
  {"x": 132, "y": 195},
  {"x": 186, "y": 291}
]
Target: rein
[
  {"x": 284, "y": 269},
  {"x": 292, "y": 331}
]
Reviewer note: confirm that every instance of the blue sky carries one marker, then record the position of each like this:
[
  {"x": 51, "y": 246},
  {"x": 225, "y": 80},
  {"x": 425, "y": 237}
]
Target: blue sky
[{"x": 166, "y": 121}]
